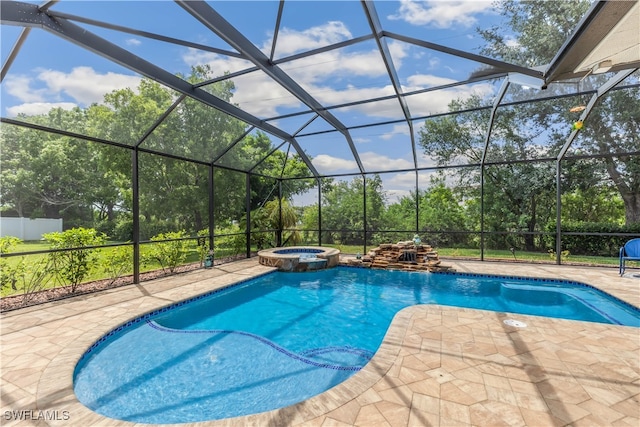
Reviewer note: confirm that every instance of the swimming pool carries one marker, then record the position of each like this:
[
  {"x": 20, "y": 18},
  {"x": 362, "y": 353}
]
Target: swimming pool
[{"x": 282, "y": 338}]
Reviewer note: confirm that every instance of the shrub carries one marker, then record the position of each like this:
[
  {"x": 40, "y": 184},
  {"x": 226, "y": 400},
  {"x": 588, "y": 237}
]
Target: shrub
[
  {"x": 229, "y": 240},
  {"x": 123, "y": 231},
  {"x": 564, "y": 255},
  {"x": 168, "y": 251},
  {"x": 107, "y": 228},
  {"x": 20, "y": 275},
  {"x": 10, "y": 272},
  {"x": 602, "y": 245},
  {"x": 35, "y": 278},
  {"x": 72, "y": 266},
  {"x": 117, "y": 261}
]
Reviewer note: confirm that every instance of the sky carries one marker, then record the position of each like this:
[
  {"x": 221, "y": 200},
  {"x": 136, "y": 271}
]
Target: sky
[{"x": 52, "y": 72}]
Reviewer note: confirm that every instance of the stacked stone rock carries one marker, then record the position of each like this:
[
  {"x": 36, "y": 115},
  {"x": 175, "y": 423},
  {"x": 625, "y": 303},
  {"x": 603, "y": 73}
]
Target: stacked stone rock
[{"x": 402, "y": 256}]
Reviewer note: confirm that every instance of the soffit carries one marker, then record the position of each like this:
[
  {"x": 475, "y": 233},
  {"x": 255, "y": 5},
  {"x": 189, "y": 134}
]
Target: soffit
[{"x": 610, "y": 31}]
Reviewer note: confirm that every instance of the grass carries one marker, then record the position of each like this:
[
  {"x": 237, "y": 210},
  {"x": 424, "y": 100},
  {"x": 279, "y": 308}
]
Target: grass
[
  {"x": 497, "y": 254},
  {"x": 97, "y": 272},
  {"x": 192, "y": 256}
]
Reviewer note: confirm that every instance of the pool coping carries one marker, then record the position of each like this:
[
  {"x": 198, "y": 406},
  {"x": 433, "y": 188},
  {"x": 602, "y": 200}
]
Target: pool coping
[{"x": 54, "y": 391}]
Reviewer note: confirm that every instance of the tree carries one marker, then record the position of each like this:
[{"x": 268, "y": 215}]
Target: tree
[
  {"x": 593, "y": 204},
  {"x": 401, "y": 215},
  {"x": 17, "y": 183},
  {"x": 440, "y": 211},
  {"x": 614, "y": 128},
  {"x": 539, "y": 30},
  {"x": 513, "y": 192},
  {"x": 177, "y": 192},
  {"x": 518, "y": 196},
  {"x": 48, "y": 175},
  {"x": 376, "y": 204},
  {"x": 269, "y": 218},
  {"x": 123, "y": 117},
  {"x": 588, "y": 195},
  {"x": 173, "y": 193},
  {"x": 89, "y": 184},
  {"x": 278, "y": 165},
  {"x": 343, "y": 210}
]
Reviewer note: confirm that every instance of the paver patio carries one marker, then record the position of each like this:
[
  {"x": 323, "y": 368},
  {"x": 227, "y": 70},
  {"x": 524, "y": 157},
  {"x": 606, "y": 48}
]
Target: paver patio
[{"x": 438, "y": 365}]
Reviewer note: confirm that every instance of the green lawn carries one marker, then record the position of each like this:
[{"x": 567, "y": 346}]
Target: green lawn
[
  {"x": 98, "y": 272},
  {"x": 495, "y": 254}
]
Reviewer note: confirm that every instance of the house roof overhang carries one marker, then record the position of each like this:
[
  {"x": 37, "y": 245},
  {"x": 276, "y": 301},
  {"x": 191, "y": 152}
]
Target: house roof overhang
[{"x": 606, "y": 39}]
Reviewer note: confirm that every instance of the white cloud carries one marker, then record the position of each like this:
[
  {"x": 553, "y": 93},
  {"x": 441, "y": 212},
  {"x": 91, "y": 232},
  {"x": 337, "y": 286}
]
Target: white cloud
[
  {"x": 20, "y": 87},
  {"x": 402, "y": 184},
  {"x": 419, "y": 105},
  {"x": 133, "y": 42},
  {"x": 219, "y": 64},
  {"x": 337, "y": 64},
  {"x": 441, "y": 14},
  {"x": 426, "y": 161},
  {"x": 50, "y": 88},
  {"x": 404, "y": 180},
  {"x": 437, "y": 101},
  {"x": 332, "y": 96},
  {"x": 401, "y": 129},
  {"x": 424, "y": 179},
  {"x": 419, "y": 81},
  {"x": 398, "y": 185},
  {"x": 38, "y": 108},
  {"x": 394, "y": 195},
  {"x": 326, "y": 164},
  {"x": 85, "y": 85},
  {"x": 255, "y": 92},
  {"x": 377, "y": 161},
  {"x": 261, "y": 96},
  {"x": 326, "y": 77},
  {"x": 320, "y": 75},
  {"x": 291, "y": 41}
]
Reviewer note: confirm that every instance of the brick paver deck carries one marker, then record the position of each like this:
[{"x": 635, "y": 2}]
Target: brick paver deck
[{"x": 437, "y": 366}]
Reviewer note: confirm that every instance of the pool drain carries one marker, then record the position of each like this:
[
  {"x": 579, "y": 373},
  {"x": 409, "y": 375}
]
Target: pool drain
[{"x": 515, "y": 323}]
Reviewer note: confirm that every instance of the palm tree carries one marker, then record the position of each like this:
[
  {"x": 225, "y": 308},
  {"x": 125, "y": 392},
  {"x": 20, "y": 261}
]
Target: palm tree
[{"x": 268, "y": 217}]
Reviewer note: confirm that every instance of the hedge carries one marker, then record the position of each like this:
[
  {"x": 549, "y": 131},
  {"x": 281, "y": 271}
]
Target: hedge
[{"x": 593, "y": 244}]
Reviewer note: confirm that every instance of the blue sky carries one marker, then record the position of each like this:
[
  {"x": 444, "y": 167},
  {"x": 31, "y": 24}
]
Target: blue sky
[{"x": 51, "y": 72}]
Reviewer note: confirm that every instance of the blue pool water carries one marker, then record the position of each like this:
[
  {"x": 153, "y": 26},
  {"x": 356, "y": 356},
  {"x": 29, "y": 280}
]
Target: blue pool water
[
  {"x": 284, "y": 337},
  {"x": 299, "y": 251}
]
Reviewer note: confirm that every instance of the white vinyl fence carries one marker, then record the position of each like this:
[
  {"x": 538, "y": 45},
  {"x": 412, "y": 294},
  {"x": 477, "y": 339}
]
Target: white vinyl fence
[{"x": 28, "y": 229}]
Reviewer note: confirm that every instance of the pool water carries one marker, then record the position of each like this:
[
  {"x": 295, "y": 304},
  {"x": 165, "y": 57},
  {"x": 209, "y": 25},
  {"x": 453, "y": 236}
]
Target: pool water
[
  {"x": 299, "y": 251},
  {"x": 282, "y": 338}
]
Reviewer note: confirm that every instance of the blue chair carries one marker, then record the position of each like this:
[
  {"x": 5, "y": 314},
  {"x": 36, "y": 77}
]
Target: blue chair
[{"x": 629, "y": 252}]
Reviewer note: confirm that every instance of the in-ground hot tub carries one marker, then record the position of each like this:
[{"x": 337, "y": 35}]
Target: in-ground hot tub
[{"x": 300, "y": 258}]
